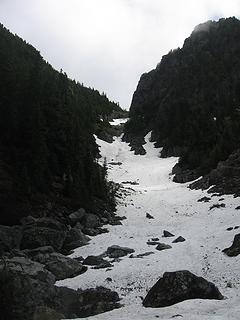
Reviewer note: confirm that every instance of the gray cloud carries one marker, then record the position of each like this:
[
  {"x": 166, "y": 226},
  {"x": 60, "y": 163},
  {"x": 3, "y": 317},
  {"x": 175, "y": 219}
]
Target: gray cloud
[{"x": 108, "y": 44}]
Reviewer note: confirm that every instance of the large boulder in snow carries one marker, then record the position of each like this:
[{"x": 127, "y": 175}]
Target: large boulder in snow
[
  {"x": 178, "y": 286},
  {"x": 234, "y": 250},
  {"x": 117, "y": 251},
  {"x": 97, "y": 261},
  {"x": 44, "y": 232}
]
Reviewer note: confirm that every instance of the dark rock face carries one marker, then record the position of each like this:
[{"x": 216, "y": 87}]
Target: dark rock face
[
  {"x": 178, "y": 286},
  {"x": 225, "y": 179},
  {"x": 44, "y": 232},
  {"x": 163, "y": 246},
  {"x": 137, "y": 143},
  {"x": 117, "y": 251},
  {"x": 234, "y": 250},
  {"x": 188, "y": 118},
  {"x": 182, "y": 175}
]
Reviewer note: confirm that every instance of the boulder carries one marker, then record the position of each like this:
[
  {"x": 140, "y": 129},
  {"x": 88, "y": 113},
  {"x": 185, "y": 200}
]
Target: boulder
[
  {"x": 97, "y": 261},
  {"x": 234, "y": 249},
  {"x": 46, "y": 313},
  {"x": 167, "y": 234},
  {"x": 77, "y": 216},
  {"x": 141, "y": 255},
  {"x": 24, "y": 297},
  {"x": 204, "y": 199},
  {"x": 85, "y": 303},
  {"x": 117, "y": 251},
  {"x": 178, "y": 286},
  {"x": 75, "y": 238},
  {"x": 61, "y": 266},
  {"x": 10, "y": 237},
  {"x": 163, "y": 246},
  {"x": 179, "y": 239},
  {"x": 217, "y": 205},
  {"x": 44, "y": 232},
  {"x": 29, "y": 268},
  {"x": 91, "y": 220},
  {"x": 149, "y": 216},
  {"x": 152, "y": 243}
]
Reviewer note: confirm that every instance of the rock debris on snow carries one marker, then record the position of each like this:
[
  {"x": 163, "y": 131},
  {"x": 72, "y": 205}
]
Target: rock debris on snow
[
  {"x": 167, "y": 234},
  {"x": 178, "y": 286}
]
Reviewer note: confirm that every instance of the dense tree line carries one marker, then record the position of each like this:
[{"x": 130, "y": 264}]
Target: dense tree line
[
  {"x": 191, "y": 101},
  {"x": 47, "y": 123}
]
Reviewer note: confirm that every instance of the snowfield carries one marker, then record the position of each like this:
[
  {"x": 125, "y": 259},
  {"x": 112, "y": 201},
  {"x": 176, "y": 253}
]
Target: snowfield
[{"x": 174, "y": 208}]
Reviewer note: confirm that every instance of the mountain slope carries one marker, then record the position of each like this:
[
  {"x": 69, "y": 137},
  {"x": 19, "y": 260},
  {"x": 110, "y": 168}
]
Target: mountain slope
[
  {"x": 147, "y": 187},
  {"x": 47, "y": 121},
  {"x": 191, "y": 100}
]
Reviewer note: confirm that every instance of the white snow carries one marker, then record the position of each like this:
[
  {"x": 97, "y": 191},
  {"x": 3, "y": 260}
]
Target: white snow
[
  {"x": 116, "y": 122},
  {"x": 174, "y": 208}
]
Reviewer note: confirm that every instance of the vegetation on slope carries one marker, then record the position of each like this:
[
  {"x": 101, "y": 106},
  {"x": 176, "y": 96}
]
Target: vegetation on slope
[
  {"x": 48, "y": 151},
  {"x": 191, "y": 101}
]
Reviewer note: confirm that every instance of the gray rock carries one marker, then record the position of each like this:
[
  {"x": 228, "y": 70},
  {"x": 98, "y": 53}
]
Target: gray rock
[
  {"x": 217, "y": 205},
  {"x": 85, "y": 303},
  {"x": 28, "y": 220},
  {"x": 91, "y": 231},
  {"x": 178, "y": 286},
  {"x": 46, "y": 313},
  {"x": 10, "y": 237},
  {"x": 179, "y": 239},
  {"x": 163, "y": 246},
  {"x": 141, "y": 255},
  {"x": 29, "y": 268},
  {"x": 149, "y": 216},
  {"x": 167, "y": 234},
  {"x": 117, "y": 251},
  {"x": 31, "y": 253},
  {"x": 97, "y": 261},
  {"x": 152, "y": 243},
  {"x": 77, "y": 216},
  {"x": 91, "y": 220},
  {"x": 234, "y": 249},
  {"x": 115, "y": 222},
  {"x": 44, "y": 232},
  {"x": 25, "y": 298},
  {"x": 61, "y": 266},
  {"x": 75, "y": 238},
  {"x": 204, "y": 199}
]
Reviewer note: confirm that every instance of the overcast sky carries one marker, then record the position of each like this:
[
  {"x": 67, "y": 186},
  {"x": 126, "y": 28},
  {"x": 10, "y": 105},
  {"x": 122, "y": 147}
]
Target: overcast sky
[{"x": 108, "y": 44}]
